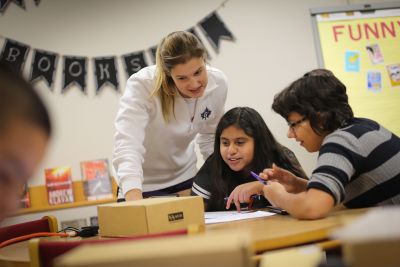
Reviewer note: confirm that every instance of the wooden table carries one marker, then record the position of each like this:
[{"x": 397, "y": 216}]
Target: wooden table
[
  {"x": 280, "y": 231},
  {"x": 268, "y": 233}
]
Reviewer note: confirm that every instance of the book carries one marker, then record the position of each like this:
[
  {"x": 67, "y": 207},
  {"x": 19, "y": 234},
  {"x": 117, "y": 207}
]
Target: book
[
  {"x": 96, "y": 179},
  {"x": 25, "y": 200},
  {"x": 59, "y": 185}
]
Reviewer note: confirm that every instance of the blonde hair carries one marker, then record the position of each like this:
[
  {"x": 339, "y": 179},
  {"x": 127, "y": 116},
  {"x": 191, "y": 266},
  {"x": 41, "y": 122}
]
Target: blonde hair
[{"x": 176, "y": 48}]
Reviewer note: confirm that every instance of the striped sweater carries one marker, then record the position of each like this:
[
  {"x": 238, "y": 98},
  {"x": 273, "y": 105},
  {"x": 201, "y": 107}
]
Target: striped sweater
[{"x": 359, "y": 165}]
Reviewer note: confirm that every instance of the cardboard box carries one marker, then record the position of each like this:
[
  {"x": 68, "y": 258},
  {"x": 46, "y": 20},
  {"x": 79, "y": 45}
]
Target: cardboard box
[
  {"x": 151, "y": 215},
  {"x": 217, "y": 249}
]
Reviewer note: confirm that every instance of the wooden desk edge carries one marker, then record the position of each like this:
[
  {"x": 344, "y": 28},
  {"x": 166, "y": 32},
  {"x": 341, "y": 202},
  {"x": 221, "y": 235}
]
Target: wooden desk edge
[
  {"x": 76, "y": 204},
  {"x": 294, "y": 240}
]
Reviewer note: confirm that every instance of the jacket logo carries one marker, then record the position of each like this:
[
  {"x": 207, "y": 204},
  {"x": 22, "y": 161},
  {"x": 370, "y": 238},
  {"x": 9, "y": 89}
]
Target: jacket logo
[
  {"x": 206, "y": 114},
  {"x": 175, "y": 216}
]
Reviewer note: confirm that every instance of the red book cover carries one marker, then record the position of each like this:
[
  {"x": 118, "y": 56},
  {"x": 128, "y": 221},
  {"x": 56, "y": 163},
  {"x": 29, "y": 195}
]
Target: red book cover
[
  {"x": 59, "y": 185},
  {"x": 96, "y": 178}
]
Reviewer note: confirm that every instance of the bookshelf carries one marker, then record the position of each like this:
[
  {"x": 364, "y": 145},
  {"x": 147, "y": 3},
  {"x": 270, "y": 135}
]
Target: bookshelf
[{"x": 39, "y": 203}]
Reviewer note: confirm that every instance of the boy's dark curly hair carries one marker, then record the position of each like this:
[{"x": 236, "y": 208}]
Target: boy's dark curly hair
[{"x": 320, "y": 97}]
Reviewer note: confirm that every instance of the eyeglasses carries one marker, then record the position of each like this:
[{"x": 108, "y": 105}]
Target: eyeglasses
[{"x": 293, "y": 125}]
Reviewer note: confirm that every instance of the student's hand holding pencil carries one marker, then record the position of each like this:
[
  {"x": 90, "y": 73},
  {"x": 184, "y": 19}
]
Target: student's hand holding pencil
[{"x": 291, "y": 182}]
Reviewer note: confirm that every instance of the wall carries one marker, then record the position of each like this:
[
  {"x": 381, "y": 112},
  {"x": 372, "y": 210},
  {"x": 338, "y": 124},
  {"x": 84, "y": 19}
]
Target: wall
[{"x": 274, "y": 45}]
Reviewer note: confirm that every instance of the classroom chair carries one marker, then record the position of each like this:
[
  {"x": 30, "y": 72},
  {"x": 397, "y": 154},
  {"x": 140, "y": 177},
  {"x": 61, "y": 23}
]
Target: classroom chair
[
  {"x": 42, "y": 252},
  {"x": 45, "y": 224}
]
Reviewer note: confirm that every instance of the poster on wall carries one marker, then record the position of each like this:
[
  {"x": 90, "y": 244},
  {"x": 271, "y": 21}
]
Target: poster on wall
[{"x": 361, "y": 45}]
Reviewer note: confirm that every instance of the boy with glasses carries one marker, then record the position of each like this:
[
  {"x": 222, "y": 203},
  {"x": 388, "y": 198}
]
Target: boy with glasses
[{"x": 358, "y": 161}]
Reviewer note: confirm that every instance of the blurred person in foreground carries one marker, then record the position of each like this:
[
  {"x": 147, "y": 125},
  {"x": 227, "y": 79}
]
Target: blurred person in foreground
[{"x": 25, "y": 130}]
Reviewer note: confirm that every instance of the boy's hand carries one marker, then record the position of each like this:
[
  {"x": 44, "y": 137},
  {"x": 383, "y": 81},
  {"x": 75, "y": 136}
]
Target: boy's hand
[{"x": 291, "y": 182}]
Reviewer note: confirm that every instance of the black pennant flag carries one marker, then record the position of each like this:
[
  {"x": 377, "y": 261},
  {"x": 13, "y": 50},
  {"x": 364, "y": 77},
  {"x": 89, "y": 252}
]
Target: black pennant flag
[
  {"x": 215, "y": 29},
  {"x": 74, "y": 72},
  {"x": 4, "y": 4},
  {"x": 15, "y": 54},
  {"x": 134, "y": 62},
  {"x": 43, "y": 66},
  {"x": 153, "y": 51},
  {"x": 106, "y": 72},
  {"x": 20, "y": 3}
]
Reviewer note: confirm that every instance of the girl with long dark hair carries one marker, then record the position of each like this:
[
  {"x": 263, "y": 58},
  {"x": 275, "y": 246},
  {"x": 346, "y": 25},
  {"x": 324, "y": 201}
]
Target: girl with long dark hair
[{"x": 243, "y": 143}]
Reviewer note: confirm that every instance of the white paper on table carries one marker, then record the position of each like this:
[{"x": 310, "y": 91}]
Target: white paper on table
[{"x": 233, "y": 215}]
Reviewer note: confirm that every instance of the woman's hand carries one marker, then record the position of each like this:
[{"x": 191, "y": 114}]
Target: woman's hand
[
  {"x": 243, "y": 192},
  {"x": 134, "y": 194},
  {"x": 291, "y": 182}
]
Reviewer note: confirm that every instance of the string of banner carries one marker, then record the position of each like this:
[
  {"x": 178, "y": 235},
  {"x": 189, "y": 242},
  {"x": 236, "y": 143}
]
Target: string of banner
[
  {"x": 20, "y": 3},
  {"x": 44, "y": 63}
]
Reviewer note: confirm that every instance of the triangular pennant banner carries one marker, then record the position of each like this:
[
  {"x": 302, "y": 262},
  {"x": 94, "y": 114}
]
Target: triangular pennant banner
[
  {"x": 20, "y": 3},
  {"x": 106, "y": 72},
  {"x": 153, "y": 51},
  {"x": 14, "y": 53},
  {"x": 134, "y": 62},
  {"x": 4, "y": 4},
  {"x": 43, "y": 66},
  {"x": 74, "y": 72},
  {"x": 44, "y": 63},
  {"x": 215, "y": 29}
]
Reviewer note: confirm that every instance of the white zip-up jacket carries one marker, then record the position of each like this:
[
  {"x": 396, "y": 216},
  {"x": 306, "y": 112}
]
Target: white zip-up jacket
[{"x": 150, "y": 154}]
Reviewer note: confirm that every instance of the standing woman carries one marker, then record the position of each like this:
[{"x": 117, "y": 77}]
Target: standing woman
[{"x": 164, "y": 109}]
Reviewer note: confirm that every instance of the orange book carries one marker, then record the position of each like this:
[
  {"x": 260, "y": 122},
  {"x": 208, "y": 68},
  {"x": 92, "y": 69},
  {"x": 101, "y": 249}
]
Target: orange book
[{"x": 59, "y": 185}]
